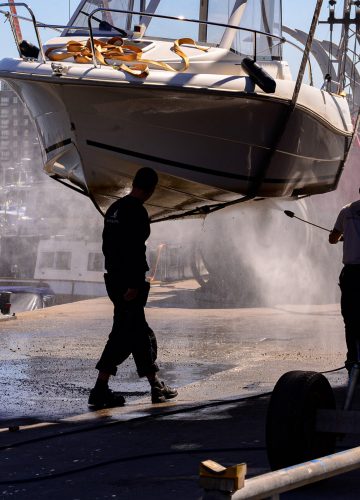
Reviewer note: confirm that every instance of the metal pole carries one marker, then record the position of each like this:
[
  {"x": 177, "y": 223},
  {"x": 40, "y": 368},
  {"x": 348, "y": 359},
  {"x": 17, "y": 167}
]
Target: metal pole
[
  {"x": 306, "y": 51},
  {"x": 15, "y": 21},
  {"x": 15, "y": 35},
  {"x": 343, "y": 46},
  {"x": 274, "y": 483},
  {"x": 203, "y": 16}
]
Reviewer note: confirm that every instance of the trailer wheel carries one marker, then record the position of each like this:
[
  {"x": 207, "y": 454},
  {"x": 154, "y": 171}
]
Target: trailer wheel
[{"x": 291, "y": 436}]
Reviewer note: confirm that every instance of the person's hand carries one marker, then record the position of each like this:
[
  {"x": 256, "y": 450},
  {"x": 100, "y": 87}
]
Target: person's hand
[{"x": 131, "y": 294}]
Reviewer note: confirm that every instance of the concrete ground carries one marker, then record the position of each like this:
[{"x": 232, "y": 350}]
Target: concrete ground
[{"x": 221, "y": 360}]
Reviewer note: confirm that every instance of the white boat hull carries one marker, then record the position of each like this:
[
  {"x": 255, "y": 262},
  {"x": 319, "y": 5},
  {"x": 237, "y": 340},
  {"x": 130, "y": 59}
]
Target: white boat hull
[{"x": 210, "y": 143}]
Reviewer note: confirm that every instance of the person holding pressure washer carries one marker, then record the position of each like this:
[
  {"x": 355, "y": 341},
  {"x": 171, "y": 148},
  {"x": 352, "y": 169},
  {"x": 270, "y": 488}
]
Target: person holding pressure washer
[
  {"x": 126, "y": 228},
  {"x": 347, "y": 229}
]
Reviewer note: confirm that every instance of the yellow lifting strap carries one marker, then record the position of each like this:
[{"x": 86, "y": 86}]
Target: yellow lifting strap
[{"x": 116, "y": 50}]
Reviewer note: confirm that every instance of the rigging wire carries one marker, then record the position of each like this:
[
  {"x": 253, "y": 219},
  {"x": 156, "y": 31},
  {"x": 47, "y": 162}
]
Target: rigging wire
[{"x": 330, "y": 49}]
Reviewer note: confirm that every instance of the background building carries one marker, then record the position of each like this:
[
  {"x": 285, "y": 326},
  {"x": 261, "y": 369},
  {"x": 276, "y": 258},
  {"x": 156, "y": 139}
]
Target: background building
[{"x": 33, "y": 207}]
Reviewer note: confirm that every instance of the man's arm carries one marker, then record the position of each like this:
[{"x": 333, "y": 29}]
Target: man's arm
[{"x": 335, "y": 236}]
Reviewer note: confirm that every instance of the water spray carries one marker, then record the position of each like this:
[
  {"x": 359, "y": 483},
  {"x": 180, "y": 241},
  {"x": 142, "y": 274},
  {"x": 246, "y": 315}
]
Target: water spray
[{"x": 291, "y": 214}]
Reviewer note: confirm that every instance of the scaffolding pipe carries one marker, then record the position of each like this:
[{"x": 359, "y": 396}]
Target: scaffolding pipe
[{"x": 270, "y": 485}]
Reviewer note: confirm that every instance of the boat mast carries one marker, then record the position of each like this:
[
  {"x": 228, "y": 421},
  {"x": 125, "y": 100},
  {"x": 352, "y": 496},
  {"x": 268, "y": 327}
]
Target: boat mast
[{"x": 15, "y": 21}]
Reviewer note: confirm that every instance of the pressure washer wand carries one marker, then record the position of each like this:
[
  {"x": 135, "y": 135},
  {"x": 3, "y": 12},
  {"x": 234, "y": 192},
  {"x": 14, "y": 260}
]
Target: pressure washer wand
[{"x": 291, "y": 214}]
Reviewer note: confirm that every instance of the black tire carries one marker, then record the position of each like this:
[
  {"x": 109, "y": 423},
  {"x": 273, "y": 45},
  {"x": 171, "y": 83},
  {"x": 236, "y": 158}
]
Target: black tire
[{"x": 291, "y": 436}]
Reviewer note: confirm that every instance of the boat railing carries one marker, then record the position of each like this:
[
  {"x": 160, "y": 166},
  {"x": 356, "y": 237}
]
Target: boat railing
[
  {"x": 183, "y": 19},
  {"x": 280, "y": 40},
  {"x": 10, "y": 16}
]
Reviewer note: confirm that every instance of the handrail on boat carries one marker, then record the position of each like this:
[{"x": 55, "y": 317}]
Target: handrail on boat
[
  {"x": 174, "y": 18},
  {"x": 37, "y": 25},
  {"x": 11, "y": 15}
]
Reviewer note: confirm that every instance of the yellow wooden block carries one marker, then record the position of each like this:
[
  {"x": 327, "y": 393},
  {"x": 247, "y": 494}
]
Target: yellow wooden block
[{"x": 211, "y": 469}]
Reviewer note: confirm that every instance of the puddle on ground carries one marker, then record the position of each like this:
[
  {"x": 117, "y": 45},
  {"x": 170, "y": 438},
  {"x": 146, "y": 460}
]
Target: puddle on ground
[{"x": 54, "y": 388}]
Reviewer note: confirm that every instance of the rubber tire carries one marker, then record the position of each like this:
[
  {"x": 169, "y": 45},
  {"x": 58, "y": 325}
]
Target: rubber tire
[{"x": 291, "y": 436}]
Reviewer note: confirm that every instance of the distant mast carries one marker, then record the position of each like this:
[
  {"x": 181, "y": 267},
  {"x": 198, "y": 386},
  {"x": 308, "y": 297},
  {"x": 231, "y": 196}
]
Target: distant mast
[{"x": 15, "y": 21}]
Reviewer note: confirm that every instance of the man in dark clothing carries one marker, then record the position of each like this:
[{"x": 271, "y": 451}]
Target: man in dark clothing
[{"x": 126, "y": 229}]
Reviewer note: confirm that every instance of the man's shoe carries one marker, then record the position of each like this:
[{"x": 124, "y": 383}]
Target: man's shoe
[
  {"x": 105, "y": 398},
  {"x": 161, "y": 392}
]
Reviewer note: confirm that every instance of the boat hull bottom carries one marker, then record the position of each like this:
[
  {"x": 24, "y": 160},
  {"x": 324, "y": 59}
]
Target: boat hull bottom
[{"x": 207, "y": 148}]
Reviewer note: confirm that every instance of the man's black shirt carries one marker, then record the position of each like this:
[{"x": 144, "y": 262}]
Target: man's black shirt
[{"x": 126, "y": 228}]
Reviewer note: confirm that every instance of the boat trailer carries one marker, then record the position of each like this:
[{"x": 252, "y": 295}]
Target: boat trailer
[
  {"x": 303, "y": 422},
  {"x": 302, "y": 428}
]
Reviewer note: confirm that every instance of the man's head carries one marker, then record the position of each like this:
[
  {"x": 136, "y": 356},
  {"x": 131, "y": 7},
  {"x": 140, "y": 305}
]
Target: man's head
[{"x": 144, "y": 183}]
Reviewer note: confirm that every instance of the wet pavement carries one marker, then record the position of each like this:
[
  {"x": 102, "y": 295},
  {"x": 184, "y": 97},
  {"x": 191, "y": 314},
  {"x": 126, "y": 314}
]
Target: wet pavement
[{"x": 222, "y": 361}]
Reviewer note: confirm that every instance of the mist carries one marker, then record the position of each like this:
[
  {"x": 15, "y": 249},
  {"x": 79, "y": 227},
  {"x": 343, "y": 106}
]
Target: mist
[
  {"x": 254, "y": 255},
  {"x": 248, "y": 255}
]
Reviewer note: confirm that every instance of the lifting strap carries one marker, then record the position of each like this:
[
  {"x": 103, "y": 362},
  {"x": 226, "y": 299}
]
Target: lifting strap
[{"x": 116, "y": 50}]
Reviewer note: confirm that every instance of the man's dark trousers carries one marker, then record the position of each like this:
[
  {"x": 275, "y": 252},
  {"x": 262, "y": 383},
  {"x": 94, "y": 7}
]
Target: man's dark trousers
[
  {"x": 130, "y": 333},
  {"x": 350, "y": 310}
]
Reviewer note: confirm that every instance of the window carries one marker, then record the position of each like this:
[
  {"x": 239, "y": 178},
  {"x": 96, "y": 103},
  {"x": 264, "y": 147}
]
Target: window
[
  {"x": 15, "y": 100},
  {"x": 5, "y": 155},
  {"x": 4, "y": 100},
  {"x": 95, "y": 262},
  {"x": 5, "y": 133},
  {"x": 47, "y": 260},
  {"x": 55, "y": 260},
  {"x": 4, "y": 112},
  {"x": 63, "y": 260}
]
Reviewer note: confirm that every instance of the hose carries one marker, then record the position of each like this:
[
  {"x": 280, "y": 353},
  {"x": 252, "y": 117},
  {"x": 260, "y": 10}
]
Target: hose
[{"x": 141, "y": 456}]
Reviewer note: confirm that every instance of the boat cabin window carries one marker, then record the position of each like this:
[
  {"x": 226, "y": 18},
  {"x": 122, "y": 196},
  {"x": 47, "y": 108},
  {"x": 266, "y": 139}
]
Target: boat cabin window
[
  {"x": 95, "y": 262},
  {"x": 258, "y": 15},
  {"x": 105, "y": 23},
  {"x": 55, "y": 260}
]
